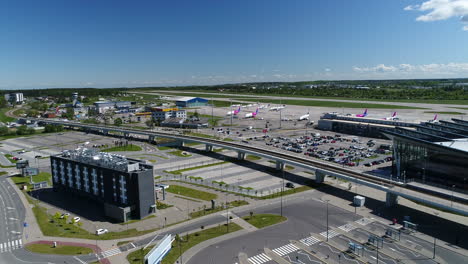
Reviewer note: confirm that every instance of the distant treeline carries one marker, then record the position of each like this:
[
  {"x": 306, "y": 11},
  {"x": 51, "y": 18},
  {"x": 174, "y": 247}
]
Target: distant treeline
[{"x": 64, "y": 94}]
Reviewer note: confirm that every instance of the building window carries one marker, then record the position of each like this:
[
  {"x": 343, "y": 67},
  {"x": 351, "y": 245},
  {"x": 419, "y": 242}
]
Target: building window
[
  {"x": 94, "y": 181},
  {"x": 62, "y": 173},
  {"x": 54, "y": 171},
  {"x": 70, "y": 175},
  {"x": 77, "y": 177},
  {"x": 113, "y": 187},
  {"x": 123, "y": 190},
  {"x": 102, "y": 184},
  {"x": 86, "y": 180}
]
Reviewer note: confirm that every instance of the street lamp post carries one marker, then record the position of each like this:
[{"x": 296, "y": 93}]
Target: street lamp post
[{"x": 282, "y": 190}]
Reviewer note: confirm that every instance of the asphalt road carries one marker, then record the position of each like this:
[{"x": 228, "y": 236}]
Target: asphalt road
[{"x": 304, "y": 217}]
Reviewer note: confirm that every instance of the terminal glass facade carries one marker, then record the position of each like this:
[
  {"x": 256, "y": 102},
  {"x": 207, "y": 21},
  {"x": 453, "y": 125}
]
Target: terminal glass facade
[{"x": 427, "y": 162}]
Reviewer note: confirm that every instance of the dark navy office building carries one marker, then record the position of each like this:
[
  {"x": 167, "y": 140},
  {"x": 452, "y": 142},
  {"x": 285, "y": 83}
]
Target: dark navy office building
[{"x": 123, "y": 187}]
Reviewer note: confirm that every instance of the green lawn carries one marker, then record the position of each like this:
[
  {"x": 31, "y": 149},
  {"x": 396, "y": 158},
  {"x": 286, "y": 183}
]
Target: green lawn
[
  {"x": 252, "y": 157},
  {"x": 164, "y": 148},
  {"x": 10, "y": 158},
  {"x": 3, "y": 117},
  {"x": 186, "y": 243},
  {"x": 331, "y": 104},
  {"x": 57, "y": 227},
  {"x": 123, "y": 242},
  {"x": 178, "y": 172},
  {"x": 42, "y": 176},
  {"x": 3, "y": 173},
  {"x": 192, "y": 193},
  {"x": 244, "y": 96},
  {"x": 59, "y": 250},
  {"x": 264, "y": 220},
  {"x": 130, "y": 147},
  {"x": 179, "y": 153}
]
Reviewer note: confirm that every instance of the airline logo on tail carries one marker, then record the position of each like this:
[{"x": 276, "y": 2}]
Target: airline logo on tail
[
  {"x": 394, "y": 114},
  {"x": 255, "y": 113},
  {"x": 363, "y": 114},
  {"x": 237, "y": 111}
]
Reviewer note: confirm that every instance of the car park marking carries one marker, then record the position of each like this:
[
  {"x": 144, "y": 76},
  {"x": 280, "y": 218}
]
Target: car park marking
[
  {"x": 11, "y": 245},
  {"x": 331, "y": 233},
  {"x": 109, "y": 253},
  {"x": 259, "y": 259},
  {"x": 309, "y": 241},
  {"x": 347, "y": 227},
  {"x": 286, "y": 249}
]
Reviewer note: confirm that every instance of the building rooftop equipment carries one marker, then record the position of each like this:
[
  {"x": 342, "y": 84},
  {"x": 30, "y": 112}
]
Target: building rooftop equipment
[{"x": 102, "y": 159}]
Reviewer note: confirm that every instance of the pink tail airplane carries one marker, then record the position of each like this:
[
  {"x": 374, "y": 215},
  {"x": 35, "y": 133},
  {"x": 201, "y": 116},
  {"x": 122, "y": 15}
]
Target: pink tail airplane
[
  {"x": 434, "y": 120},
  {"x": 253, "y": 114},
  {"x": 393, "y": 117},
  {"x": 237, "y": 111},
  {"x": 363, "y": 114}
]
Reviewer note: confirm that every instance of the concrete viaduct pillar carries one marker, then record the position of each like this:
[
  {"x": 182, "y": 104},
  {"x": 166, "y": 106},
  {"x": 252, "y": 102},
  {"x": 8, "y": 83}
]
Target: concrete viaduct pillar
[
  {"x": 279, "y": 165},
  {"x": 151, "y": 139},
  {"x": 208, "y": 148},
  {"x": 180, "y": 143},
  {"x": 319, "y": 176},
  {"x": 391, "y": 199},
  {"x": 240, "y": 155}
]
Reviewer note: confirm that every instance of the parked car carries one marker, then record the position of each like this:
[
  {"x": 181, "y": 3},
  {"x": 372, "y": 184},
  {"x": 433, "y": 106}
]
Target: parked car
[
  {"x": 76, "y": 219},
  {"x": 101, "y": 231},
  {"x": 289, "y": 185}
]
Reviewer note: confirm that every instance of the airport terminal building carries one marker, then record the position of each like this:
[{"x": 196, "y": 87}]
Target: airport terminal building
[
  {"x": 124, "y": 187},
  {"x": 359, "y": 126},
  {"x": 433, "y": 153}
]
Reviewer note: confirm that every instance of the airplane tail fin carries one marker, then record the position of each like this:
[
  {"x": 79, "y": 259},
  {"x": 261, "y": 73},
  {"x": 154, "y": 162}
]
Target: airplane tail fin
[
  {"x": 394, "y": 114},
  {"x": 435, "y": 117},
  {"x": 365, "y": 112}
]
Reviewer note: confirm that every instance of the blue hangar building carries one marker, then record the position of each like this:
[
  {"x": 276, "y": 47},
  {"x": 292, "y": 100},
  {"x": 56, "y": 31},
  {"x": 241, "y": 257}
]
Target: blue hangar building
[{"x": 190, "y": 102}]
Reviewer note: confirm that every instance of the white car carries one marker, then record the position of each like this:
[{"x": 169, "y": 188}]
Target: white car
[
  {"x": 76, "y": 219},
  {"x": 63, "y": 215},
  {"x": 101, "y": 231}
]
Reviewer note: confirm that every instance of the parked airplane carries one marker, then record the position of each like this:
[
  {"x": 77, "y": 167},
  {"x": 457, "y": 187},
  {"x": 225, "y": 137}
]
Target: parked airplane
[
  {"x": 253, "y": 114},
  {"x": 393, "y": 117},
  {"x": 363, "y": 114},
  {"x": 235, "y": 112},
  {"x": 277, "y": 108},
  {"x": 304, "y": 117},
  {"x": 434, "y": 120}
]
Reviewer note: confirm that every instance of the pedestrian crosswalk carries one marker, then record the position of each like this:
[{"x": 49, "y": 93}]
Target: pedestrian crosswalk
[
  {"x": 309, "y": 241},
  {"x": 347, "y": 227},
  {"x": 286, "y": 249},
  {"x": 11, "y": 245},
  {"x": 259, "y": 259},
  {"x": 331, "y": 233},
  {"x": 109, "y": 253},
  {"x": 365, "y": 221}
]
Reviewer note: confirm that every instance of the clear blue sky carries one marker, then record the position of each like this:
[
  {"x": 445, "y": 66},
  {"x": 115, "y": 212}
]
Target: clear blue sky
[{"x": 90, "y": 43}]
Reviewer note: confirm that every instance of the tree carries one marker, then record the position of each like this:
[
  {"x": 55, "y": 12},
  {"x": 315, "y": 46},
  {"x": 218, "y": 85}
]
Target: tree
[
  {"x": 21, "y": 130},
  {"x": 3, "y": 102},
  {"x": 118, "y": 121},
  {"x": 4, "y": 131},
  {"x": 251, "y": 214}
]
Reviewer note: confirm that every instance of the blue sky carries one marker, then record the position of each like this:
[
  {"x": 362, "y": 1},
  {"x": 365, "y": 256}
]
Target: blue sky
[{"x": 90, "y": 43}]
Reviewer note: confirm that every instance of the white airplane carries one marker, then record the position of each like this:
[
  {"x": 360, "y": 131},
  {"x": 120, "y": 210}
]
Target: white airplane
[
  {"x": 277, "y": 108},
  {"x": 304, "y": 117},
  {"x": 261, "y": 106},
  {"x": 234, "y": 112},
  {"x": 393, "y": 117},
  {"x": 434, "y": 120},
  {"x": 253, "y": 114}
]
